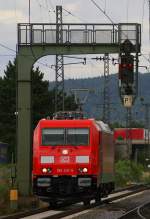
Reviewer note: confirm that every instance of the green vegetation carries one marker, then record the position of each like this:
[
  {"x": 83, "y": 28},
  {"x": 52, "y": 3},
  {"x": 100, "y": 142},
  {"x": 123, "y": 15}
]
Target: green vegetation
[
  {"x": 134, "y": 124},
  {"x": 4, "y": 187},
  {"x": 146, "y": 177},
  {"x": 127, "y": 171}
]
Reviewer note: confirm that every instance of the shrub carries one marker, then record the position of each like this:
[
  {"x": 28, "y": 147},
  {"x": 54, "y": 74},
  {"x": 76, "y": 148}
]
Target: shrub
[
  {"x": 4, "y": 182},
  {"x": 146, "y": 177},
  {"x": 127, "y": 171},
  {"x": 4, "y": 189}
]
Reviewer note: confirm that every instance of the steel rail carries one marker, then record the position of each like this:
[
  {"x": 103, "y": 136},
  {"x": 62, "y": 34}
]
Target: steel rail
[
  {"x": 134, "y": 190},
  {"x": 135, "y": 211},
  {"x": 106, "y": 201}
]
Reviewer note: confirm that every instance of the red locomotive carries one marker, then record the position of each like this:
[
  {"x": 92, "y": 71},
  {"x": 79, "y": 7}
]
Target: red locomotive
[{"x": 72, "y": 159}]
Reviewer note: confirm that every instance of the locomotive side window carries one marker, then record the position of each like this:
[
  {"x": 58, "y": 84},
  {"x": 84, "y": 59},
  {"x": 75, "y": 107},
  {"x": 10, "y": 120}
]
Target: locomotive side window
[
  {"x": 77, "y": 136},
  {"x": 53, "y": 136}
]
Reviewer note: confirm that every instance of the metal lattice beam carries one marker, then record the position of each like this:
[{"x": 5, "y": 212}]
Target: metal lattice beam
[
  {"x": 106, "y": 106},
  {"x": 149, "y": 18},
  {"x": 147, "y": 126},
  {"x": 81, "y": 96},
  {"x": 59, "y": 82},
  {"x": 128, "y": 134}
]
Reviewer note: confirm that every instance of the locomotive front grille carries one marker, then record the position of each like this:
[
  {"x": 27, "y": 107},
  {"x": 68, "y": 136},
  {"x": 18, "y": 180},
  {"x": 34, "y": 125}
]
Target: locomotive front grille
[{"x": 63, "y": 185}]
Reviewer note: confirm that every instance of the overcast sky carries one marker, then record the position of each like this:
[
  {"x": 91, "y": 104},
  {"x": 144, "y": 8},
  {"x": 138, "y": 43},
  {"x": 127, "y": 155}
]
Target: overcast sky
[{"x": 120, "y": 11}]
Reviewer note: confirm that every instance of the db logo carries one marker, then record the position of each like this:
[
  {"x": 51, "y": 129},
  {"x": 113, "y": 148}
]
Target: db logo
[{"x": 65, "y": 159}]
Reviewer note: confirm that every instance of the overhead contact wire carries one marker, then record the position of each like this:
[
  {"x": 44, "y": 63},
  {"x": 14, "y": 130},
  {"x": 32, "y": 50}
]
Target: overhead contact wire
[{"x": 103, "y": 11}]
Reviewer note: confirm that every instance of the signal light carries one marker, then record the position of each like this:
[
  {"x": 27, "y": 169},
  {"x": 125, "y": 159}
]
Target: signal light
[
  {"x": 123, "y": 65},
  {"x": 130, "y": 66},
  {"x": 126, "y": 69}
]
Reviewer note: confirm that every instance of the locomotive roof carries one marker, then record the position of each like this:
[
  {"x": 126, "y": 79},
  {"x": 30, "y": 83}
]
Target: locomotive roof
[
  {"x": 103, "y": 126},
  {"x": 83, "y": 122},
  {"x": 67, "y": 121}
]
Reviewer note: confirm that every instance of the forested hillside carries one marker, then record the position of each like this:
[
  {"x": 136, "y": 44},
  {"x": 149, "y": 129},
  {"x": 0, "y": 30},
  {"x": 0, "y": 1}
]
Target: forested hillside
[{"x": 94, "y": 104}]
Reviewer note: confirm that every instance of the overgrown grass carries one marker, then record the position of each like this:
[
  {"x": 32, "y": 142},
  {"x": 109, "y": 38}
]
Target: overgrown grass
[
  {"x": 146, "y": 177},
  {"x": 4, "y": 189}
]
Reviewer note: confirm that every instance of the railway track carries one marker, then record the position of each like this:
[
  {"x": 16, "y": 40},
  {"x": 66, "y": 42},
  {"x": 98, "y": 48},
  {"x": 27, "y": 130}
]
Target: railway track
[
  {"x": 141, "y": 212},
  {"x": 61, "y": 212}
]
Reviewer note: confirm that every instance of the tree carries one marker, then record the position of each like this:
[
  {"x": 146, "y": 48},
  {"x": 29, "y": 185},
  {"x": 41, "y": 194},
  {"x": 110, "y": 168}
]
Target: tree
[
  {"x": 8, "y": 106},
  {"x": 136, "y": 124},
  {"x": 116, "y": 125},
  {"x": 42, "y": 102},
  {"x": 70, "y": 103}
]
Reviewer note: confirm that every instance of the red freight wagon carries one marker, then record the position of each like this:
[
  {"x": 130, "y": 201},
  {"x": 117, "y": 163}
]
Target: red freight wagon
[
  {"x": 72, "y": 159},
  {"x": 133, "y": 134}
]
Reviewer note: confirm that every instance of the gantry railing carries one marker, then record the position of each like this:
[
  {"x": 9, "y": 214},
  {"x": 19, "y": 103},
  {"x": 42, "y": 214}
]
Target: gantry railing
[{"x": 44, "y": 33}]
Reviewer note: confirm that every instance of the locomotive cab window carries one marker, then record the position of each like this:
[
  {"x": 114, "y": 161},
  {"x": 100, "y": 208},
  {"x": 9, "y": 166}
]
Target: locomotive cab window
[
  {"x": 53, "y": 137},
  {"x": 77, "y": 136}
]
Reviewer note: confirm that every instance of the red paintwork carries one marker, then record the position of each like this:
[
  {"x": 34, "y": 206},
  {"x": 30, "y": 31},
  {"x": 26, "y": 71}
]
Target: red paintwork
[
  {"x": 134, "y": 133},
  {"x": 99, "y": 140}
]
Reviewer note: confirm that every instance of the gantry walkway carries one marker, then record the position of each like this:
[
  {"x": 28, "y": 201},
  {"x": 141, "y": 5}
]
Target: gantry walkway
[{"x": 80, "y": 38}]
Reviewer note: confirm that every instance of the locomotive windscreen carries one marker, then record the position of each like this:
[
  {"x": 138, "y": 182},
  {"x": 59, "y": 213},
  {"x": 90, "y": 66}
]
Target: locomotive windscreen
[
  {"x": 67, "y": 136},
  {"x": 77, "y": 136},
  {"x": 53, "y": 137}
]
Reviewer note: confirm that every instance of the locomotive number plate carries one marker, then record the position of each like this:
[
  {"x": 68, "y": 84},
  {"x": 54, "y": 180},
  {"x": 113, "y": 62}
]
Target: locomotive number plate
[{"x": 64, "y": 159}]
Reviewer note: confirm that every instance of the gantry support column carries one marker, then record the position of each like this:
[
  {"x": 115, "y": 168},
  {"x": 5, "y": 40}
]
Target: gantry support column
[{"x": 24, "y": 132}]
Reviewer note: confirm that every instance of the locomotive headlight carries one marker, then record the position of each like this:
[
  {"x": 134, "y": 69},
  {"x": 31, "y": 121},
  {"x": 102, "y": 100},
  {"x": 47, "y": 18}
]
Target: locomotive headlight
[
  {"x": 85, "y": 170},
  {"x": 44, "y": 170}
]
